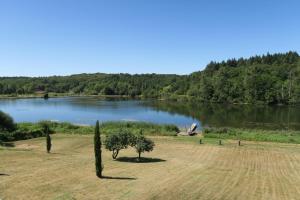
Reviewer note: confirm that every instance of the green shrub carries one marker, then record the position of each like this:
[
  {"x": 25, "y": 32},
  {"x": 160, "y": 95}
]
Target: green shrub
[
  {"x": 6, "y": 122},
  {"x": 28, "y": 130},
  {"x": 118, "y": 141},
  {"x": 22, "y": 133},
  {"x": 135, "y": 127},
  {"x": 143, "y": 144}
]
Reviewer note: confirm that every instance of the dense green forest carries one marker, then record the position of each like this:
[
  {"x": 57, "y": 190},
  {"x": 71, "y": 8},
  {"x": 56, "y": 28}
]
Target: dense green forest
[{"x": 269, "y": 79}]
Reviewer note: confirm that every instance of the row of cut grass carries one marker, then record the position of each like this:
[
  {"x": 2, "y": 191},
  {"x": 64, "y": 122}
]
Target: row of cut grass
[{"x": 283, "y": 136}]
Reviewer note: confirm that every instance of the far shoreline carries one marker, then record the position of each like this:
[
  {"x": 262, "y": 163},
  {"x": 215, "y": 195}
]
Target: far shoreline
[
  {"x": 59, "y": 95},
  {"x": 178, "y": 98}
]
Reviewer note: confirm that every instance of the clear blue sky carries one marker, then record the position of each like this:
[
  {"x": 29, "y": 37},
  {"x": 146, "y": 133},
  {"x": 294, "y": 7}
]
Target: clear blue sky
[{"x": 61, "y": 37}]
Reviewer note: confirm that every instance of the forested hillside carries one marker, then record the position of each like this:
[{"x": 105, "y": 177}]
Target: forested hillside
[
  {"x": 270, "y": 79},
  {"x": 149, "y": 85}
]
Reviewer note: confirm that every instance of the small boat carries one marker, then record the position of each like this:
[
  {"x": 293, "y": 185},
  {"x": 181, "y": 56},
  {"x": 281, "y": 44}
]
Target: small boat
[{"x": 192, "y": 129}]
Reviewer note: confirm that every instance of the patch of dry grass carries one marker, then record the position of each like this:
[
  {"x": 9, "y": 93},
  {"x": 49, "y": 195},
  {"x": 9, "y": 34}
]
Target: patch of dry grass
[{"x": 182, "y": 170}]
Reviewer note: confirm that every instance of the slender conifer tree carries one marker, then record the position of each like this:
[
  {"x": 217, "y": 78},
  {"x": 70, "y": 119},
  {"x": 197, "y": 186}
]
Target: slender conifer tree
[
  {"x": 97, "y": 149},
  {"x": 48, "y": 140}
]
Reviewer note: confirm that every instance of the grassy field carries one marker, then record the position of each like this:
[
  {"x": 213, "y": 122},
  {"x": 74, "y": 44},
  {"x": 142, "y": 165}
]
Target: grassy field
[
  {"x": 180, "y": 168},
  {"x": 283, "y": 136}
]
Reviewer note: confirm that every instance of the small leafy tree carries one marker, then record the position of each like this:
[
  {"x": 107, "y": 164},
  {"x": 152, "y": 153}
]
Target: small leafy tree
[
  {"x": 6, "y": 122},
  {"x": 143, "y": 144},
  {"x": 119, "y": 141},
  {"x": 98, "y": 152},
  {"x": 47, "y": 131}
]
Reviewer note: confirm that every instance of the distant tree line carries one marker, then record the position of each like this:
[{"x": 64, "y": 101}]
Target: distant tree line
[
  {"x": 269, "y": 79},
  {"x": 148, "y": 85}
]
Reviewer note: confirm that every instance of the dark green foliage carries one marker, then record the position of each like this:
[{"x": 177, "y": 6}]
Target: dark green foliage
[
  {"x": 46, "y": 96},
  {"x": 6, "y": 122},
  {"x": 97, "y": 150},
  {"x": 45, "y": 125},
  {"x": 48, "y": 142},
  {"x": 268, "y": 79},
  {"x": 26, "y": 131},
  {"x": 118, "y": 141},
  {"x": 23, "y": 131},
  {"x": 143, "y": 144},
  {"x": 134, "y": 127},
  {"x": 32, "y": 130},
  {"x": 97, "y": 84},
  {"x": 124, "y": 138}
]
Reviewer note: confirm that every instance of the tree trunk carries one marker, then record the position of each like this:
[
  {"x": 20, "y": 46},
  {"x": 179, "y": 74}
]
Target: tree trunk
[{"x": 115, "y": 154}]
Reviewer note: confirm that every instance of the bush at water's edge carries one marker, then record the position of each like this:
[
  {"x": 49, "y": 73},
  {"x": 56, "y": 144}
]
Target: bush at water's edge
[{"x": 32, "y": 130}]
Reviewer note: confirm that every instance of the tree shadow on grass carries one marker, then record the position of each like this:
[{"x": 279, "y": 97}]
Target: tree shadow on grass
[
  {"x": 142, "y": 160},
  {"x": 2, "y": 174},
  {"x": 118, "y": 178}
]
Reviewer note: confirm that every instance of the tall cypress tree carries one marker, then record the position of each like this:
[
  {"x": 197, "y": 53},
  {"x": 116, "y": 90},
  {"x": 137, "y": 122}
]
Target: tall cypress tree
[
  {"x": 97, "y": 149},
  {"x": 48, "y": 140}
]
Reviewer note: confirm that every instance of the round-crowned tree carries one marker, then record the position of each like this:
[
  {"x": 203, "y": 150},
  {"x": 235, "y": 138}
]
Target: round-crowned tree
[
  {"x": 143, "y": 144},
  {"x": 118, "y": 141},
  {"x": 6, "y": 122}
]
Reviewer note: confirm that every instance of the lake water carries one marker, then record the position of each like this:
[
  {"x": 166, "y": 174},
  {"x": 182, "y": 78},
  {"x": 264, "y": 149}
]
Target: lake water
[{"x": 86, "y": 110}]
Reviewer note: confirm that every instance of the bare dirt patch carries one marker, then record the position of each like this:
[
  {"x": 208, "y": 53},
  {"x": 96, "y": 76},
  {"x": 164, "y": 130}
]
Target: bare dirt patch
[{"x": 26, "y": 146}]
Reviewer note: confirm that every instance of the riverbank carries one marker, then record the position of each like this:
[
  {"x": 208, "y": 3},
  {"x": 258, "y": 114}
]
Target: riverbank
[
  {"x": 171, "y": 97},
  {"x": 33, "y": 130},
  {"x": 180, "y": 98},
  {"x": 58, "y": 95}
]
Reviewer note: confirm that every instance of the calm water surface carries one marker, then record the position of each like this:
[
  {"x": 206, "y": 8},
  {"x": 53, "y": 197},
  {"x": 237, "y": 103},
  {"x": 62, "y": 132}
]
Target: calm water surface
[{"x": 86, "y": 110}]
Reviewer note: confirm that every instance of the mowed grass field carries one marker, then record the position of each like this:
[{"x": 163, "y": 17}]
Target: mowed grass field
[{"x": 180, "y": 169}]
